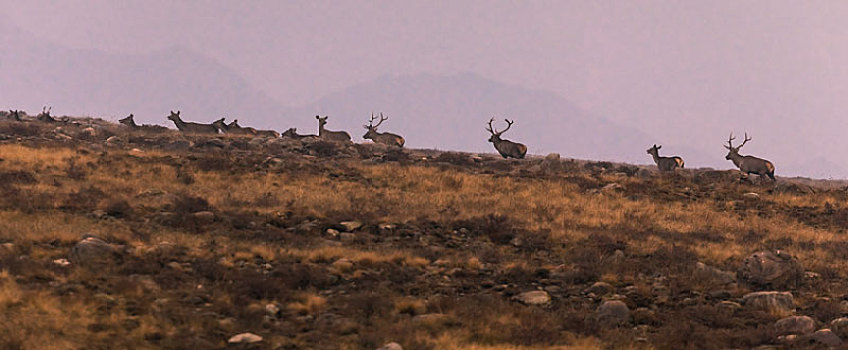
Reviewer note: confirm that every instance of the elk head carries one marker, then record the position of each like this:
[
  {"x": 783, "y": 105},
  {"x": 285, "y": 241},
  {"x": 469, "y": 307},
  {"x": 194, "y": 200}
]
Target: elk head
[
  {"x": 372, "y": 129},
  {"x": 174, "y": 116},
  {"x": 321, "y": 121},
  {"x": 734, "y": 151},
  {"x": 654, "y": 150},
  {"x": 496, "y": 135}
]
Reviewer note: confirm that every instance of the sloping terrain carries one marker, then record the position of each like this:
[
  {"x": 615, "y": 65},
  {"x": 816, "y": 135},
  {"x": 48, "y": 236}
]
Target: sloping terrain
[{"x": 111, "y": 238}]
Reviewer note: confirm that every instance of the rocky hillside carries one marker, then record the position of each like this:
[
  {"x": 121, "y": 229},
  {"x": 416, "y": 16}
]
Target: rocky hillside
[{"x": 111, "y": 238}]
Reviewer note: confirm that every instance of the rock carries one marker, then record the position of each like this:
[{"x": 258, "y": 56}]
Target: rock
[
  {"x": 839, "y": 326},
  {"x": 826, "y": 337},
  {"x": 713, "y": 276},
  {"x": 351, "y": 226},
  {"x": 612, "y": 313},
  {"x": 93, "y": 251},
  {"x": 62, "y": 262},
  {"x": 204, "y": 217},
  {"x": 332, "y": 232},
  {"x": 751, "y": 195},
  {"x": 343, "y": 265},
  {"x": 645, "y": 316},
  {"x": 728, "y": 307},
  {"x": 433, "y": 320},
  {"x": 89, "y": 131},
  {"x": 612, "y": 187},
  {"x": 536, "y": 297},
  {"x": 552, "y": 157},
  {"x": 599, "y": 289},
  {"x": 799, "y": 325},
  {"x": 347, "y": 237},
  {"x": 113, "y": 140},
  {"x": 775, "y": 269},
  {"x": 772, "y": 302},
  {"x": 391, "y": 346},
  {"x": 272, "y": 310},
  {"x": 244, "y": 338}
]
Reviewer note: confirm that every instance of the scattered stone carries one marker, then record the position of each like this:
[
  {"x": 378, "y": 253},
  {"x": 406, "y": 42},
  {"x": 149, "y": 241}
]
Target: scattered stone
[
  {"x": 840, "y": 327},
  {"x": 599, "y": 289},
  {"x": 826, "y": 337},
  {"x": 776, "y": 269},
  {"x": 432, "y": 320},
  {"x": 89, "y": 132},
  {"x": 800, "y": 325},
  {"x": 343, "y": 265},
  {"x": 612, "y": 313},
  {"x": 244, "y": 338},
  {"x": 751, "y": 195},
  {"x": 347, "y": 237},
  {"x": 93, "y": 251},
  {"x": 713, "y": 276},
  {"x": 272, "y": 310},
  {"x": 772, "y": 302},
  {"x": 645, "y": 316},
  {"x": 728, "y": 306},
  {"x": 204, "y": 217},
  {"x": 612, "y": 187},
  {"x": 62, "y": 262},
  {"x": 391, "y": 346},
  {"x": 552, "y": 157},
  {"x": 351, "y": 226},
  {"x": 536, "y": 297},
  {"x": 332, "y": 232}
]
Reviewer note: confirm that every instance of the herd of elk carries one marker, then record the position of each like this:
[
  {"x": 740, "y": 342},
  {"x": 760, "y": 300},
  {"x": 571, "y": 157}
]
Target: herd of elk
[
  {"x": 665, "y": 163},
  {"x": 385, "y": 138},
  {"x": 506, "y": 148}
]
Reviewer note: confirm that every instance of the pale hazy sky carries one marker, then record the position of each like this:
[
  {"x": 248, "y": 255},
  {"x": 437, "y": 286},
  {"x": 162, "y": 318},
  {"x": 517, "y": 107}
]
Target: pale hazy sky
[{"x": 689, "y": 70}]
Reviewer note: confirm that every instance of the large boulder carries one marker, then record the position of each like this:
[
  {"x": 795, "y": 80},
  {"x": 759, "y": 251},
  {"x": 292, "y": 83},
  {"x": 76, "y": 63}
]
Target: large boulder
[
  {"x": 536, "y": 297},
  {"x": 93, "y": 252},
  {"x": 244, "y": 338},
  {"x": 771, "y": 302},
  {"x": 612, "y": 313},
  {"x": 798, "y": 325},
  {"x": 391, "y": 346},
  {"x": 826, "y": 337},
  {"x": 775, "y": 269}
]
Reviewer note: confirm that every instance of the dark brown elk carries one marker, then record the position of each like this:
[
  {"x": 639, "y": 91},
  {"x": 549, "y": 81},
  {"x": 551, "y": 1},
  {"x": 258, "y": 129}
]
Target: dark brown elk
[
  {"x": 340, "y": 136},
  {"x": 14, "y": 115},
  {"x": 506, "y": 148},
  {"x": 191, "y": 128},
  {"x": 665, "y": 163},
  {"x": 292, "y": 133},
  {"x": 44, "y": 116},
  {"x": 231, "y": 129},
  {"x": 385, "y": 138},
  {"x": 129, "y": 122},
  {"x": 748, "y": 164}
]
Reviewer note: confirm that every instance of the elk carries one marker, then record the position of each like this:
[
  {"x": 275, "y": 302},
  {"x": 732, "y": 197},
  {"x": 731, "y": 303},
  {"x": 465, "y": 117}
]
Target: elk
[
  {"x": 386, "y": 138},
  {"x": 665, "y": 163},
  {"x": 14, "y": 115},
  {"x": 129, "y": 121},
  {"x": 44, "y": 116},
  {"x": 230, "y": 129},
  {"x": 251, "y": 131},
  {"x": 506, "y": 148},
  {"x": 292, "y": 133},
  {"x": 748, "y": 164},
  {"x": 340, "y": 136},
  {"x": 191, "y": 128}
]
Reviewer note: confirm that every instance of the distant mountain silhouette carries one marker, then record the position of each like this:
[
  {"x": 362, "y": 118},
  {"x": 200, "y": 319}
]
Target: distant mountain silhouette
[{"x": 34, "y": 73}]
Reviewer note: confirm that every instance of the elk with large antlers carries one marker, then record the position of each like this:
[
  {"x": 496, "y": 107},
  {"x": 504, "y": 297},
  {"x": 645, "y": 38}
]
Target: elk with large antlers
[
  {"x": 665, "y": 163},
  {"x": 340, "y": 136},
  {"x": 748, "y": 164},
  {"x": 506, "y": 148},
  {"x": 386, "y": 138}
]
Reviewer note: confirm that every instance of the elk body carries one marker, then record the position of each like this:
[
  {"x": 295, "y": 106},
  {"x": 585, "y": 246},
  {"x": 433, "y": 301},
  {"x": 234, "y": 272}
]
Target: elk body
[
  {"x": 14, "y": 115},
  {"x": 44, "y": 116},
  {"x": 506, "y": 148},
  {"x": 130, "y": 123},
  {"x": 385, "y": 138},
  {"x": 191, "y": 128},
  {"x": 340, "y": 136},
  {"x": 748, "y": 164},
  {"x": 231, "y": 129},
  {"x": 665, "y": 163},
  {"x": 292, "y": 133},
  {"x": 248, "y": 130}
]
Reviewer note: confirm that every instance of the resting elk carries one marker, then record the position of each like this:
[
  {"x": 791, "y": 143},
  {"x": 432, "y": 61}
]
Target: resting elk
[
  {"x": 385, "y": 138},
  {"x": 506, "y": 148},
  {"x": 748, "y": 164}
]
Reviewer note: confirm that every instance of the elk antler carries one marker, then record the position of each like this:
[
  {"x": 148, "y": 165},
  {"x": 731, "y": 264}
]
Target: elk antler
[
  {"x": 490, "y": 128},
  {"x": 508, "y": 125},
  {"x": 730, "y": 141},
  {"x": 382, "y": 119},
  {"x": 743, "y": 142}
]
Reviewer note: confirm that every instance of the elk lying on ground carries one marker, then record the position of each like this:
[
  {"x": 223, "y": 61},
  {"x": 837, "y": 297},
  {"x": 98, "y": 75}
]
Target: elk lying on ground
[
  {"x": 191, "y": 128},
  {"x": 665, "y": 163},
  {"x": 44, "y": 116},
  {"x": 14, "y": 115},
  {"x": 340, "y": 136},
  {"x": 129, "y": 122},
  {"x": 506, "y": 148},
  {"x": 261, "y": 133},
  {"x": 230, "y": 129},
  {"x": 384, "y": 137},
  {"x": 292, "y": 133},
  {"x": 748, "y": 164}
]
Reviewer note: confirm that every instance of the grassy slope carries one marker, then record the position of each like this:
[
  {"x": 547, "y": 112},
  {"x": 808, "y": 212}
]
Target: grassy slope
[{"x": 454, "y": 236}]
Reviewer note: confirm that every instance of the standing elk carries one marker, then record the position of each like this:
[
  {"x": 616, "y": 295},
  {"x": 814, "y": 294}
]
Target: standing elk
[
  {"x": 292, "y": 133},
  {"x": 386, "y": 138},
  {"x": 506, "y": 148},
  {"x": 665, "y": 163},
  {"x": 191, "y": 128},
  {"x": 748, "y": 164},
  {"x": 340, "y": 136}
]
